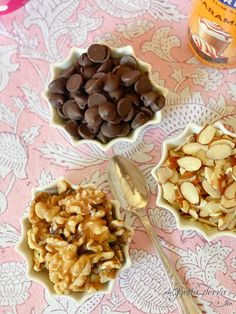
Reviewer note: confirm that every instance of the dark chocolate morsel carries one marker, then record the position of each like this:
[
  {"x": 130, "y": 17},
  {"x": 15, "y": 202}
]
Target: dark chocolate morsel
[
  {"x": 58, "y": 86},
  {"x": 71, "y": 110},
  {"x": 99, "y": 75},
  {"x": 124, "y": 106},
  {"x": 125, "y": 129},
  {"x": 72, "y": 128},
  {"x": 97, "y": 53},
  {"x": 96, "y": 99},
  {"x": 130, "y": 115},
  {"x": 81, "y": 100},
  {"x": 149, "y": 97},
  {"x": 143, "y": 85},
  {"x": 105, "y": 67},
  {"x": 147, "y": 111},
  {"x": 129, "y": 61},
  {"x": 56, "y": 100},
  {"x": 94, "y": 86},
  {"x": 92, "y": 117},
  {"x": 74, "y": 83},
  {"x": 85, "y": 132},
  {"x": 110, "y": 130},
  {"x": 120, "y": 69},
  {"x": 130, "y": 77},
  {"x": 84, "y": 60},
  {"x": 115, "y": 95},
  {"x": 112, "y": 82},
  {"x": 88, "y": 71},
  {"x": 158, "y": 104},
  {"x": 107, "y": 111},
  {"x": 102, "y": 138},
  {"x": 61, "y": 114},
  {"x": 139, "y": 120}
]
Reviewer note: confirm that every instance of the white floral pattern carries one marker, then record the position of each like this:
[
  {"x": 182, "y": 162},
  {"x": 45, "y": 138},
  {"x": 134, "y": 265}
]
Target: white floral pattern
[
  {"x": 14, "y": 285},
  {"x": 210, "y": 79}
]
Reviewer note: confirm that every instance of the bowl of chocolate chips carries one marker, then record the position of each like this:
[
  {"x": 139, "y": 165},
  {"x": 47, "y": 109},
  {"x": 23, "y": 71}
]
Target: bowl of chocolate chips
[{"x": 103, "y": 95}]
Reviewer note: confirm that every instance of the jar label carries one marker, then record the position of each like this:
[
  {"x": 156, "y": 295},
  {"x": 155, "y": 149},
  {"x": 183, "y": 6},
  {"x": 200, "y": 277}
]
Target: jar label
[{"x": 212, "y": 31}]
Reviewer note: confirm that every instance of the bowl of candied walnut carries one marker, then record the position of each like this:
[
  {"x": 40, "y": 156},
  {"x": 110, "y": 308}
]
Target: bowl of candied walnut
[
  {"x": 73, "y": 240},
  {"x": 196, "y": 179},
  {"x": 103, "y": 95}
]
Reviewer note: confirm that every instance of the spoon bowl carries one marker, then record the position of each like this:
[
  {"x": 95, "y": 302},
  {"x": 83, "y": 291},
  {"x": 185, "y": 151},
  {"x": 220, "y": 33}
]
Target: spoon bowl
[{"x": 128, "y": 184}]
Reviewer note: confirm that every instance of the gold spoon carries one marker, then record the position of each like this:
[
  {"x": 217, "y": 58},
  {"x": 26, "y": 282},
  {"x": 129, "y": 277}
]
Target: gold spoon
[{"x": 129, "y": 187}]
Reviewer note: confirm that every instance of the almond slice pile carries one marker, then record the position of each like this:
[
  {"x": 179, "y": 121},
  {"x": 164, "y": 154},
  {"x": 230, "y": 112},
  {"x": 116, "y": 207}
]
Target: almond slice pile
[{"x": 199, "y": 178}]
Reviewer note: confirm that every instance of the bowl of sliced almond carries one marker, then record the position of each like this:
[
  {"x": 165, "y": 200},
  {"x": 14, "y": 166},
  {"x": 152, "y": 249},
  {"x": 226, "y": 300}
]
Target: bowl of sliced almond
[{"x": 196, "y": 177}]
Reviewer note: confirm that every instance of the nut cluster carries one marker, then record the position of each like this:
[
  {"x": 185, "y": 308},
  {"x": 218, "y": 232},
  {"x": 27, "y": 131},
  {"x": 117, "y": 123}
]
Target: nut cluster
[
  {"x": 199, "y": 178},
  {"x": 77, "y": 238},
  {"x": 101, "y": 97}
]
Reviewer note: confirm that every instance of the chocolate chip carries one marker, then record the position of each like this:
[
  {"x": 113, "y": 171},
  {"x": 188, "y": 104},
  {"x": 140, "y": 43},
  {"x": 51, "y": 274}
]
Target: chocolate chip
[
  {"x": 124, "y": 106},
  {"x": 61, "y": 114},
  {"x": 139, "y": 120},
  {"x": 135, "y": 99},
  {"x": 105, "y": 67},
  {"x": 92, "y": 117},
  {"x": 143, "y": 85},
  {"x": 130, "y": 115},
  {"x": 72, "y": 111},
  {"x": 149, "y": 97},
  {"x": 58, "y": 86},
  {"x": 67, "y": 72},
  {"x": 120, "y": 69},
  {"x": 81, "y": 100},
  {"x": 158, "y": 104},
  {"x": 107, "y": 111},
  {"x": 94, "y": 86},
  {"x": 88, "y": 71},
  {"x": 72, "y": 128},
  {"x": 85, "y": 132},
  {"x": 115, "y": 95},
  {"x": 96, "y": 99},
  {"x": 147, "y": 111},
  {"x": 129, "y": 61},
  {"x": 84, "y": 60},
  {"x": 130, "y": 77},
  {"x": 112, "y": 82},
  {"x": 110, "y": 130},
  {"x": 102, "y": 138},
  {"x": 97, "y": 53},
  {"x": 125, "y": 129},
  {"x": 115, "y": 61},
  {"x": 99, "y": 75},
  {"x": 56, "y": 100},
  {"x": 74, "y": 83}
]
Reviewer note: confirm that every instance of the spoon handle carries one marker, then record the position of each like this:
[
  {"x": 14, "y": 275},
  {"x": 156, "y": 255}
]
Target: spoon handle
[{"x": 186, "y": 304}]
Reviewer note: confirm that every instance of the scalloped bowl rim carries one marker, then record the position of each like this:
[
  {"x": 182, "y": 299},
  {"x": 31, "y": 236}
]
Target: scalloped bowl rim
[
  {"x": 55, "y": 121},
  {"x": 42, "y": 277},
  {"x": 208, "y": 232}
]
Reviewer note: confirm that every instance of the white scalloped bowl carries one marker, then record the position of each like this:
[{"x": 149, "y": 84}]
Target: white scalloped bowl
[
  {"x": 75, "y": 53},
  {"x": 42, "y": 276},
  {"x": 183, "y": 222}
]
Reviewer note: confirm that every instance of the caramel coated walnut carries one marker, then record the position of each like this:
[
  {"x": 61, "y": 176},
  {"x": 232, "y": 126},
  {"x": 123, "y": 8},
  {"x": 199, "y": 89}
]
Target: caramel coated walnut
[{"x": 76, "y": 237}]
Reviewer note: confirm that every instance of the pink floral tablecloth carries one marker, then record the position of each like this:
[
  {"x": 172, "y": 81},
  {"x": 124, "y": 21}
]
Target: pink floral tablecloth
[{"x": 33, "y": 153}]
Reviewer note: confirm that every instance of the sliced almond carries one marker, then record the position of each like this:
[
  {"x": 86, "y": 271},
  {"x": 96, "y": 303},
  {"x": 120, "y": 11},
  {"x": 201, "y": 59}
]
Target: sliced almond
[
  {"x": 189, "y": 139},
  {"x": 219, "y": 151},
  {"x": 208, "y": 174},
  {"x": 182, "y": 171},
  {"x": 230, "y": 191},
  {"x": 204, "y": 212},
  {"x": 223, "y": 141},
  {"x": 217, "y": 173},
  {"x": 189, "y": 163},
  {"x": 193, "y": 213},
  {"x": 169, "y": 192},
  {"x": 205, "y": 161},
  {"x": 175, "y": 177},
  {"x": 189, "y": 192},
  {"x": 206, "y": 135},
  {"x": 193, "y": 148},
  {"x": 232, "y": 160},
  {"x": 209, "y": 189},
  {"x": 227, "y": 203},
  {"x": 213, "y": 207},
  {"x": 234, "y": 172},
  {"x": 163, "y": 174},
  {"x": 171, "y": 162}
]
